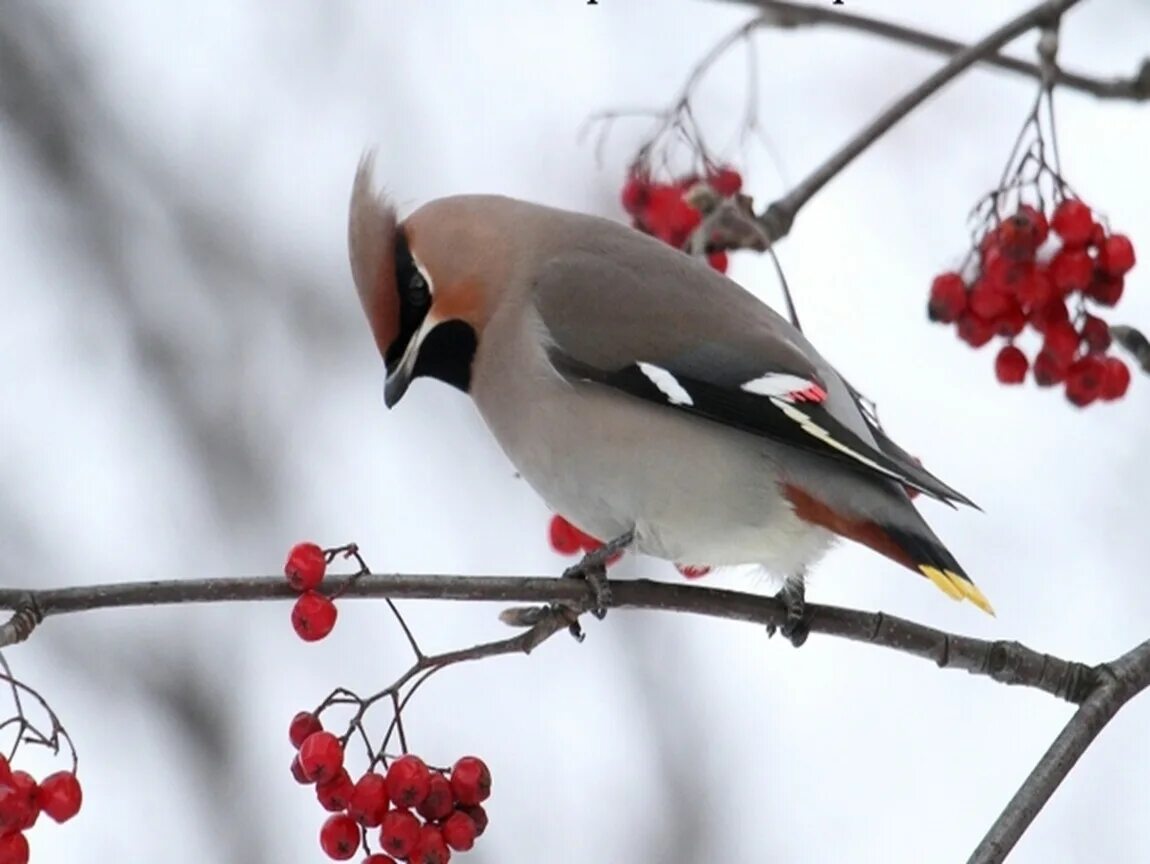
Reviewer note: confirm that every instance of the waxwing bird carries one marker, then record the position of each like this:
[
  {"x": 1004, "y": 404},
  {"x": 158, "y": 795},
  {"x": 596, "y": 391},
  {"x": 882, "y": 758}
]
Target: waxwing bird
[{"x": 637, "y": 390}]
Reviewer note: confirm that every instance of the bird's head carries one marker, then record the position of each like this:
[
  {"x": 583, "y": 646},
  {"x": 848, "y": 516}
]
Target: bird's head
[{"x": 426, "y": 284}]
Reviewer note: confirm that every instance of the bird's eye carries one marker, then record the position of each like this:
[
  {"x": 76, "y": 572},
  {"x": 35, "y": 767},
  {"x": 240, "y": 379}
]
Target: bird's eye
[{"x": 418, "y": 293}]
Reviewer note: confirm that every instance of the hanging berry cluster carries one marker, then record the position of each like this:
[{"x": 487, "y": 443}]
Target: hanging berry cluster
[
  {"x": 664, "y": 210},
  {"x": 414, "y": 813},
  {"x": 419, "y": 814},
  {"x": 1042, "y": 275},
  {"x": 1042, "y": 260},
  {"x": 23, "y": 800}
]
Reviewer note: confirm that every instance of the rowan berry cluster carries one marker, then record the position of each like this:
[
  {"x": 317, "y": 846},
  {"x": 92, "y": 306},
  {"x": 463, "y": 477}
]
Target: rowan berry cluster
[
  {"x": 419, "y": 814},
  {"x": 58, "y": 796},
  {"x": 664, "y": 210},
  {"x": 1031, "y": 271}
]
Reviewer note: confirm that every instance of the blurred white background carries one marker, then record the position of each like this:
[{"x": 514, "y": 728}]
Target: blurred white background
[{"x": 187, "y": 387}]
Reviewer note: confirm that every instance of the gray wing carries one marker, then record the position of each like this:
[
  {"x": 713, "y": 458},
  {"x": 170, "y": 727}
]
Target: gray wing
[{"x": 678, "y": 334}]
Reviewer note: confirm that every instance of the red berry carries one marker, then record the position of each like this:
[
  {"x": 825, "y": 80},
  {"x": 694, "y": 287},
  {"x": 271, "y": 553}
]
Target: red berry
[
  {"x": 947, "y": 298},
  {"x": 5, "y": 769},
  {"x": 399, "y": 833},
  {"x": 1117, "y": 255},
  {"x": 368, "y": 803},
  {"x": 1084, "y": 380},
  {"x": 297, "y": 772},
  {"x": 1106, "y": 290},
  {"x": 430, "y": 848},
  {"x": 19, "y": 804},
  {"x": 1010, "y": 322},
  {"x": 974, "y": 331},
  {"x": 408, "y": 781},
  {"x": 459, "y": 831},
  {"x": 693, "y": 571},
  {"x": 305, "y": 566},
  {"x": 1055, "y": 312},
  {"x": 1010, "y": 365},
  {"x": 718, "y": 261},
  {"x": 1038, "y": 223},
  {"x": 564, "y": 536},
  {"x": 440, "y": 799},
  {"x": 1061, "y": 340},
  {"x": 14, "y": 849},
  {"x": 988, "y": 301},
  {"x": 313, "y": 616},
  {"x": 339, "y": 837},
  {"x": 471, "y": 781},
  {"x": 684, "y": 218},
  {"x": 1071, "y": 270},
  {"x": 1018, "y": 237},
  {"x": 634, "y": 194},
  {"x": 321, "y": 757},
  {"x": 334, "y": 795},
  {"x": 60, "y": 796},
  {"x": 1073, "y": 222},
  {"x": 1116, "y": 379},
  {"x": 669, "y": 216},
  {"x": 478, "y": 816},
  {"x": 302, "y": 725},
  {"x": 1050, "y": 369},
  {"x": 1096, "y": 334},
  {"x": 378, "y": 858},
  {"x": 1036, "y": 290},
  {"x": 726, "y": 181},
  {"x": 1005, "y": 275}
]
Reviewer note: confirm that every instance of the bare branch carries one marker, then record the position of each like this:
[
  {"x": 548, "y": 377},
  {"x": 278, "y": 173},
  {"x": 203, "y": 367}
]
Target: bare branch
[
  {"x": 778, "y": 218},
  {"x": 784, "y": 14},
  {"x": 1120, "y": 682},
  {"x": 1002, "y": 661}
]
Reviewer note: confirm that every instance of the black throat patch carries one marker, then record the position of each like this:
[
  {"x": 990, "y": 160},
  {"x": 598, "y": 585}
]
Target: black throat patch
[{"x": 447, "y": 353}]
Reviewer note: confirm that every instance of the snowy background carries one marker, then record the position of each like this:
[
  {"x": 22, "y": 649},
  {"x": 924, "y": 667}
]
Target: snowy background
[{"x": 187, "y": 387}]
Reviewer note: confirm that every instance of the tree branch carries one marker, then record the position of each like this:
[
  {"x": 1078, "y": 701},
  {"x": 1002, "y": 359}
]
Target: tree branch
[
  {"x": 1003, "y": 661},
  {"x": 778, "y": 218},
  {"x": 786, "y": 15},
  {"x": 1119, "y": 682}
]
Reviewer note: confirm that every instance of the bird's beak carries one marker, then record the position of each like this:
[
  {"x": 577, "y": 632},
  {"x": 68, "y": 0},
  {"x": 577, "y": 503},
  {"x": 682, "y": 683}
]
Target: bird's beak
[{"x": 399, "y": 379}]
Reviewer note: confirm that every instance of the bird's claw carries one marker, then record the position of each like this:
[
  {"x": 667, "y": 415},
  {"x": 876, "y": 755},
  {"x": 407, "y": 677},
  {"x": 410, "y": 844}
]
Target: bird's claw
[
  {"x": 795, "y": 628},
  {"x": 592, "y": 569},
  {"x": 594, "y": 573}
]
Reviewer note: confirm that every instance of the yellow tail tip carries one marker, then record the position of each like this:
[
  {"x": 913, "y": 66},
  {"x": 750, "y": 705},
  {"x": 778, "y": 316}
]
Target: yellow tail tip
[{"x": 956, "y": 587}]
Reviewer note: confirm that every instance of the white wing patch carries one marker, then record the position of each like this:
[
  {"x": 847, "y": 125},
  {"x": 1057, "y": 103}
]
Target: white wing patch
[
  {"x": 792, "y": 388},
  {"x": 812, "y": 428},
  {"x": 668, "y": 385}
]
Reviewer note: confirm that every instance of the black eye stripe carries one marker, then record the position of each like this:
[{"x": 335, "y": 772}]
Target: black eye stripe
[{"x": 414, "y": 299}]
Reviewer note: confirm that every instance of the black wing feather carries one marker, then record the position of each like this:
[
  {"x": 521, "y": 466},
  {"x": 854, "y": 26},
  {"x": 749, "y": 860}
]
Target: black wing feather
[{"x": 749, "y": 412}]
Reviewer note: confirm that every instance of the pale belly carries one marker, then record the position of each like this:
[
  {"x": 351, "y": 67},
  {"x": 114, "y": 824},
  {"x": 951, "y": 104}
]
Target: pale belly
[{"x": 694, "y": 492}]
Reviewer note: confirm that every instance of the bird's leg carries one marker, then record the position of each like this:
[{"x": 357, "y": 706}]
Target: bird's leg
[
  {"x": 793, "y": 595},
  {"x": 592, "y": 568}
]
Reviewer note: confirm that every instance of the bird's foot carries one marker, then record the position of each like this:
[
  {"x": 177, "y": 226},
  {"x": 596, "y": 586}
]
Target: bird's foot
[
  {"x": 796, "y": 628},
  {"x": 592, "y": 568}
]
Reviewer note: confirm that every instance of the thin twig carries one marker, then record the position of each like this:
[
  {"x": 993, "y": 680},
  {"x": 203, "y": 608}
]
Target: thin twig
[
  {"x": 778, "y": 218},
  {"x": 1005, "y": 662},
  {"x": 782, "y": 14},
  {"x": 1120, "y": 682}
]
